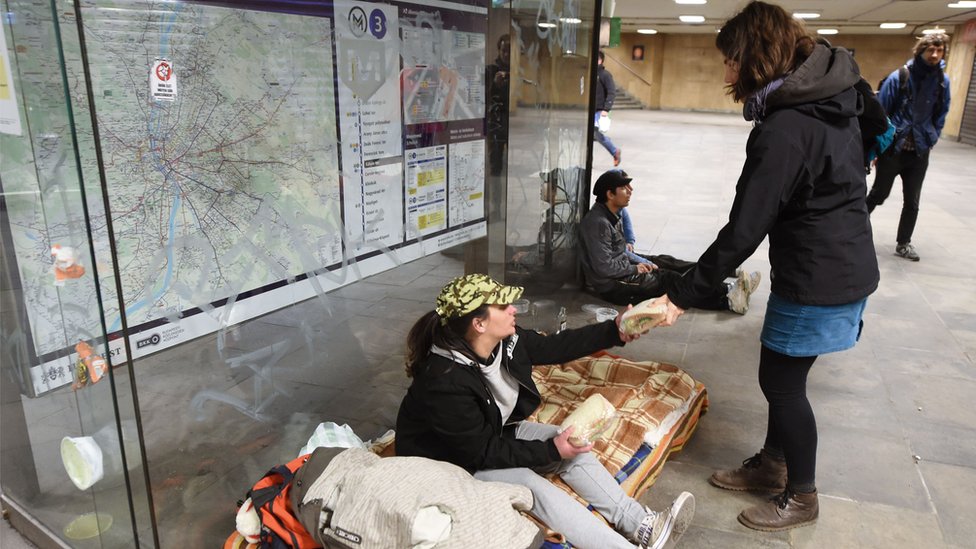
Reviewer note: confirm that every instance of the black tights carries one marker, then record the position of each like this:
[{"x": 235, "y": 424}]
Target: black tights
[{"x": 792, "y": 428}]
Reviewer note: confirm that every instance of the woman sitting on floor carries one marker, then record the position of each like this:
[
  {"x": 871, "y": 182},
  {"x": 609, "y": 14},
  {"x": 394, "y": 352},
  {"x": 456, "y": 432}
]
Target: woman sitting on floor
[{"x": 472, "y": 390}]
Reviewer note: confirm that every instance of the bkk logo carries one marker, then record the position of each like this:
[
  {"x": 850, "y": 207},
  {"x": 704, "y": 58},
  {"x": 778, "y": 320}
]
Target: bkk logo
[{"x": 151, "y": 340}]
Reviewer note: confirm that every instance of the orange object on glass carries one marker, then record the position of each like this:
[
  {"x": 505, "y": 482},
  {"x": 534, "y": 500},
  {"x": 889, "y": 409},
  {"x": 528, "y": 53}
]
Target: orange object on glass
[
  {"x": 94, "y": 365},
  {"x": 66, "y": 264}
]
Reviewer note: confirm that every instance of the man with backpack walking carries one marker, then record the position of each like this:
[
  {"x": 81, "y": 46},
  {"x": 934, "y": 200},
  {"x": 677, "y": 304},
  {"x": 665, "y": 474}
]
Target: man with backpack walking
[
  {"x": 916, "y": 98},
  {"x": 606, "y": 92}
]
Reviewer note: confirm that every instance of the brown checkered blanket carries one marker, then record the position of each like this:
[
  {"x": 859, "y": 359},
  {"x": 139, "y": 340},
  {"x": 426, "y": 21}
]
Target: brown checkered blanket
[{"x": 644, "y": 394}]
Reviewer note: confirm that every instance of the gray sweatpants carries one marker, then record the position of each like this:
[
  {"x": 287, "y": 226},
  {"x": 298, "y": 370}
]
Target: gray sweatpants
[{"x": 560, "y": 511}]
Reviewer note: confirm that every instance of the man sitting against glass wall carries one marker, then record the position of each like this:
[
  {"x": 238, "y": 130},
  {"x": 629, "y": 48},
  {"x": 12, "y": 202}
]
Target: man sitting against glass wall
[{"x": 620, "y": 279}]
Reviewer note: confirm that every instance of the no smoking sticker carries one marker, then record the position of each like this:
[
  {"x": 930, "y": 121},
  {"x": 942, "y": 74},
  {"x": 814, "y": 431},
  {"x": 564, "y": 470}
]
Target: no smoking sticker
[{"x": 162, "y": 80}]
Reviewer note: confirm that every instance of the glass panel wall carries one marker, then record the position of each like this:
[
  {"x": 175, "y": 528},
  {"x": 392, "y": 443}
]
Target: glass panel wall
[
  {"x": 70, "y": 446},
  {"x": 220, "y": 219},
  {"x": 549, "y": 139}
]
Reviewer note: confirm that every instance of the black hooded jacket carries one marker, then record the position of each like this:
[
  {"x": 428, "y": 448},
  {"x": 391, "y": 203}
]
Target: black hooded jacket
[
  {"x": 450, "y": 414},
  {"x": 606, "y": 90},
  {"x": 802, "y": 185}
]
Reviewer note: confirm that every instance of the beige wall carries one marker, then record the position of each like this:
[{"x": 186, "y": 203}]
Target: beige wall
[
  {"x": 641, "y": 79},
  {"x": 960, "y": 70},
  {"x": 877, "y": 55},
  {"x": 684, "y": 71},
  {"x": 541, "y": 74},
  {"x": 693, "y": 73}
]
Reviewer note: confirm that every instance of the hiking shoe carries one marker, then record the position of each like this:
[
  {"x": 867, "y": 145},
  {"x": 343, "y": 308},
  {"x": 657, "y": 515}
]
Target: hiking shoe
[
  {"x": 616, "y": 157},
  {"x": 782, "y": 512},
  {"x": 658, "y": 528},
  {"x": 740, "y": 290},
  {"x": 907, "y": 251},
  {"x": 760, "y": 473}
]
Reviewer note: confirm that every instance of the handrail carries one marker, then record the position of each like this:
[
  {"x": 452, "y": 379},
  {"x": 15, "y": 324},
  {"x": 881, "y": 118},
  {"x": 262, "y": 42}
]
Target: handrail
[{"x": 628, "y": 69}]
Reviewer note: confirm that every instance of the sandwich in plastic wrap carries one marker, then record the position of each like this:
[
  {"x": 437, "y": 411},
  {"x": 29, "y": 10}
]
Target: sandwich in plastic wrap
[
  {"x": 589, "y": 420},
  {"x": 643, "y": 316}
]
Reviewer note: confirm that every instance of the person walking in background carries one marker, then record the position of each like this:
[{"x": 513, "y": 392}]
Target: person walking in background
[
  {"x": 916, "y": 98},
  {"x": 804, "y": 187},
  {"x": 606, "y": 92},
  {"x": 498, "y": 76}
]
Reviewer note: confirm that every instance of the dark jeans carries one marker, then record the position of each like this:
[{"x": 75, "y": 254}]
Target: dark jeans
[
  {"x": 911, "y": 167},
  {"x": 643, "y": 286},
  {"x": 792, "y": 428}
]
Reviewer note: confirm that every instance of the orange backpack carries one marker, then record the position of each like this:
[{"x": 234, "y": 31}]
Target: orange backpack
[{"x": 280, "y": 528}]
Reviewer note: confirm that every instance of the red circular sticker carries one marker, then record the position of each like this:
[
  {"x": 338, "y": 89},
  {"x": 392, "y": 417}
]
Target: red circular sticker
[{"x": 163, "y": 71}]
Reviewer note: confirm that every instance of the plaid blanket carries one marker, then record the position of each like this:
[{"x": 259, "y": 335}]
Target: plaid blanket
[{"x": 644, "y": 393}]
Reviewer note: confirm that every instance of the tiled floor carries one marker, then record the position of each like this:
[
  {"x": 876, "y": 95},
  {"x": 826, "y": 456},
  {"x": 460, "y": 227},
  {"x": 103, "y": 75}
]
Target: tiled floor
[
  {"x": 897, "y": 442},
  {"x": 897, "y": 429}
]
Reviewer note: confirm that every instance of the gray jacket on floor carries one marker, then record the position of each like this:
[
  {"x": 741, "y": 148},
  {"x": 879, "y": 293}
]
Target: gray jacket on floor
[{"x": 353, "y": 498}]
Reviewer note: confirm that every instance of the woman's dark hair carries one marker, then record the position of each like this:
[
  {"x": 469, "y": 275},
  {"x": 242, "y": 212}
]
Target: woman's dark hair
[
  {"x": 428, "y": 331},
  {"x": 766, "y": 42}
]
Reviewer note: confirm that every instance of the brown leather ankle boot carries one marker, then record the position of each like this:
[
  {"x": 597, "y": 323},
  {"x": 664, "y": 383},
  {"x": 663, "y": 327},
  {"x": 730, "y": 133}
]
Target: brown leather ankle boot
[
  {"x": 761, "y": 473},
  {"x": 782, "y": 512}
]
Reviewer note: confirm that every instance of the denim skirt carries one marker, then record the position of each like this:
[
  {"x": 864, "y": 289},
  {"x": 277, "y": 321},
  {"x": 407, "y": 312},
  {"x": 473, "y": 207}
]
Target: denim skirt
[{"x": 794, "y": 329}]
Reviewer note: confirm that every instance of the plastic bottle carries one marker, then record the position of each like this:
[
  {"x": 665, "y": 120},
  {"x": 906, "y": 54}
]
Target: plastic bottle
[{"x": 561, "y": 320}]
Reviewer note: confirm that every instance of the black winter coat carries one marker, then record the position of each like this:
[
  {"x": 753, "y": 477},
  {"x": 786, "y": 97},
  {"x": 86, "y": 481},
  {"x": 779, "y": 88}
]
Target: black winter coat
[
  {"x": 606, "y": 89},
  {"x": 802, "y": 185},
  {"x": 449, "y": 414}
]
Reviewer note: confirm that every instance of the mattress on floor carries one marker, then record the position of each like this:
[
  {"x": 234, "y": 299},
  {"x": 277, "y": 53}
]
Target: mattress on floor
[{"x": 658, "y": 408}]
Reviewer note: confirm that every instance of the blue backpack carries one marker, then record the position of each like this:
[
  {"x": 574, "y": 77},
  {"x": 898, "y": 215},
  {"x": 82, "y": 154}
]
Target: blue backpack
[{"x": 881, "y": 144}]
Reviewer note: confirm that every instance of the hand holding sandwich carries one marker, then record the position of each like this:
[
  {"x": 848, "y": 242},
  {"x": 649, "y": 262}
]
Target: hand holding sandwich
[
  {"x": 673, "y": 311},
  {"x": 624, "y": 335},
  {"x": 568, "y": 449}
]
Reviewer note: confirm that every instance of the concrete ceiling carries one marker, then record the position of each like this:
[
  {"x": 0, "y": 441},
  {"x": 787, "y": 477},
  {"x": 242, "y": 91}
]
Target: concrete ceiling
[{"x": 848, "y": 16}]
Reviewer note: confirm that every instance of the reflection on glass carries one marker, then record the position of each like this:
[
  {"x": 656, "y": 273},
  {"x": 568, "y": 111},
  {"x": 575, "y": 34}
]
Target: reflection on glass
[
  {"x": 548, "y": 139},
  {"x": 192, "y": 188}
]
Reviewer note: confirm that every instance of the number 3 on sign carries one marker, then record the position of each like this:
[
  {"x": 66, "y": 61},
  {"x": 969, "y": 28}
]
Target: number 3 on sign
[{"x": 377, "y": 23}]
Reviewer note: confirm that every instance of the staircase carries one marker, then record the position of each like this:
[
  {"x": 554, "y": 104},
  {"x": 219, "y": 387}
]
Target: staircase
[{"x": 625, "y": 101}]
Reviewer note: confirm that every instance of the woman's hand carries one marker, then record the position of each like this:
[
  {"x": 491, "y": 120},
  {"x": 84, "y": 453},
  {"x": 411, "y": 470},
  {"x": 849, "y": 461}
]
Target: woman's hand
[
  {"x": 566, "y": 449},
  {"x": 673, "y": 311},
  {"x": 626, "y": 338}
]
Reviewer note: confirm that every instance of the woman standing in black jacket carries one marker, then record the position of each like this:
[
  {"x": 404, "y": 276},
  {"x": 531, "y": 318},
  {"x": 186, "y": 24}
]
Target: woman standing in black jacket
[
  {"x": 471, "y": 392},
  {"x": 802, "y": 186}
]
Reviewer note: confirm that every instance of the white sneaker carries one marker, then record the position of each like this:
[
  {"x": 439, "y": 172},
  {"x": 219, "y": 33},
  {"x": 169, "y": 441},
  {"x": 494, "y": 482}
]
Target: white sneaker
[
  {"x": 740, "y": 290},
  {"x": 682, "y": 510},
  {"x": 755, "y": 278},
  {"x": 658, "y": 528}
]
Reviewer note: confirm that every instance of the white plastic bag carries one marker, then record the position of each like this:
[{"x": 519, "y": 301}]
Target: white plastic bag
[
  {"x": 603, "y": 123},
  {"x": 330, "y": 435}
]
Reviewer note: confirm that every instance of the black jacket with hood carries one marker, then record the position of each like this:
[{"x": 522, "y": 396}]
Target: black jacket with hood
[
  {"x": 606, "y": 89},
  {"x": 802, "y": 185},
  {"x": 449, "y": 414}
]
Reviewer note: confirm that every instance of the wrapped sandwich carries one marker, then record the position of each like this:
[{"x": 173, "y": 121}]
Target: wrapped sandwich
[
  {"x": 589, "y": 420},
  {"x": 643, "y": 316}
]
